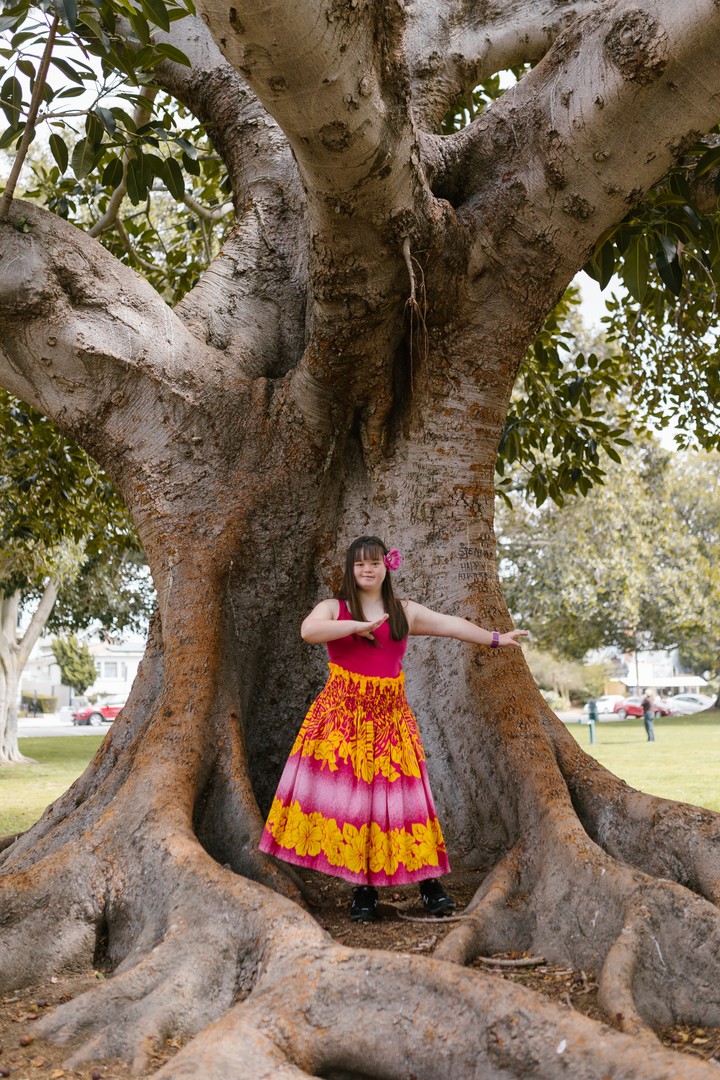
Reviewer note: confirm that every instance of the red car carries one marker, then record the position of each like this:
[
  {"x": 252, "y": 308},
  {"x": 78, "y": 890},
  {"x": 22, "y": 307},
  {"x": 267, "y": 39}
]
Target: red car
[
  {"x": 632, "y": 706},
  {"x": 100, "y": 713}
]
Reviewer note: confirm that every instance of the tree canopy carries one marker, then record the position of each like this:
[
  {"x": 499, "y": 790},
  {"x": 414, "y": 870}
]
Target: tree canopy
[
  {"x": 632, "y": 565},
  {"x": 151, "y": 186}
]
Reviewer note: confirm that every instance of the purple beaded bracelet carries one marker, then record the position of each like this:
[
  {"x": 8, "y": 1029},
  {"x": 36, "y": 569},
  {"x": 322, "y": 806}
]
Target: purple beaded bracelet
[{"x": 495, "y": 640}]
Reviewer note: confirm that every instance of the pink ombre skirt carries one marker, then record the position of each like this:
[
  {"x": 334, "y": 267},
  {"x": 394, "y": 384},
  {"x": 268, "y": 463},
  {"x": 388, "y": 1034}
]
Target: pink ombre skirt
[{"x": 354, "y": 799}]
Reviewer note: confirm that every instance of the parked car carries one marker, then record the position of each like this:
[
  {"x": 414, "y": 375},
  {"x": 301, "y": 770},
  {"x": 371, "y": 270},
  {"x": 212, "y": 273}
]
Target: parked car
[
  {"x": 100, "y": 713},
  {"x": 605, "y": 704},
  {"x": 632, "y": 706},
  {"x": 683, "y": 704}
]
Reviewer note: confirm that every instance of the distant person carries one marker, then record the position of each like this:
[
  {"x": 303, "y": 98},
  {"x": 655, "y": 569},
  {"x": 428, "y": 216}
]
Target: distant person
[{"x": 648, "y": 709}]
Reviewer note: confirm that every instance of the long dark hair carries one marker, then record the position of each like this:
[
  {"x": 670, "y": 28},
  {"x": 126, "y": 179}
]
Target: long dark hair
[{"x": 372, "y": 547}]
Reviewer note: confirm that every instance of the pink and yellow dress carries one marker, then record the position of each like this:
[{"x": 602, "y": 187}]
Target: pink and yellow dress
[{"x": 354, "y": 799}]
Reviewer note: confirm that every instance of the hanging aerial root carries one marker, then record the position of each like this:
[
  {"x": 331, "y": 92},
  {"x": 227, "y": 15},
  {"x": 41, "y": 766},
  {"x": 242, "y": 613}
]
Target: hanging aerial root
[{"x": 487, "y": 911}]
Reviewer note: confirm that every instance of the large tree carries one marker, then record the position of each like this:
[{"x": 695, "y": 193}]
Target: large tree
[{"x": 346, "y": 363}]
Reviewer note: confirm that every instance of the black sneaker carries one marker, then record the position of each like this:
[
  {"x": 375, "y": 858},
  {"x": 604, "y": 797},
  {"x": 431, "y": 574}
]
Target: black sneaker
[
  {"x": 364, "y": 904},
  {"x": 435, "y": 899}
]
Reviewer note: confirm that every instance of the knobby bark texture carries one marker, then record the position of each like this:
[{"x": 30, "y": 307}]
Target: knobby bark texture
[{"x": 346, "y": 365}]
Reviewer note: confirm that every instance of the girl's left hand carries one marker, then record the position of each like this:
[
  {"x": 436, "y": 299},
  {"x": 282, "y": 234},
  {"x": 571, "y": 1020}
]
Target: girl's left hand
[{"x": 511, "y": 637}]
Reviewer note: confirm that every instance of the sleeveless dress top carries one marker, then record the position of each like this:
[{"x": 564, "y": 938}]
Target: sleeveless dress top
[
  {"x": 354, "y": 798},
  {"x": 381, "y": 658}
]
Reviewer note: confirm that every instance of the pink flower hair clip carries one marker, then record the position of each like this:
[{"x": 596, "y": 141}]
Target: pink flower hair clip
[{"x": 393, "y": 560}]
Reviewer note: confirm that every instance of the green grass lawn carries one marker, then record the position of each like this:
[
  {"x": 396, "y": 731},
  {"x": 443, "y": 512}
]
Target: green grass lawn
[
  {"x": 683, "y": 763},
  {"x": 25, "y": 790}
]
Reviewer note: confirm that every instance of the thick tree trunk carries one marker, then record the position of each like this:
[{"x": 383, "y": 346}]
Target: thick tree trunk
[{"x": 250, "y": 450}]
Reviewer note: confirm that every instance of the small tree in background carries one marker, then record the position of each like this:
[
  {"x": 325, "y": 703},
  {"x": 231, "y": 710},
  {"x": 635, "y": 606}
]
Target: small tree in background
[
  {"x": 70, "y": 555},
  {"x": 77, "y": 666}
]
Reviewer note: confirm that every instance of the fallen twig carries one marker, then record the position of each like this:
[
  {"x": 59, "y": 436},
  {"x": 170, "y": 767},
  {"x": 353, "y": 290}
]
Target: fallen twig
[{"x": 526, "y": 961}]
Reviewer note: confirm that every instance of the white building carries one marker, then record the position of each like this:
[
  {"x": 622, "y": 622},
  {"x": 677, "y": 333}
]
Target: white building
[
  {"x": 116, "y": 665},
  {"x": 660, "y": 670}
]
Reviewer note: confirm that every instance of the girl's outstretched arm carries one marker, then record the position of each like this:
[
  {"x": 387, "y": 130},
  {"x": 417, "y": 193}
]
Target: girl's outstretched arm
[
  {"x": 322, "y": 624},
  {"x": 422, "y": 620}
]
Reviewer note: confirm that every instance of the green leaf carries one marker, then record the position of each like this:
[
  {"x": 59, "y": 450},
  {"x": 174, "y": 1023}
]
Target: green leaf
[
  {"x": 636, "y": 268},
  {"x": 10, "y": 135},
  {"x": 71, "y": 92},
  {"x": 59, "y": 150},
  {"x": 669, "y": 198},
  {"x": 602, "y": 266},
  {"x": 124, "y": 117},
  {"x": 68, "y": 70},
  {"x": 708, "y": 161},
  {"x": 156, "y": 13},
  {"x": 113, "y": 173},
  {"x": 140, "y": 25},
  {"x": 12, "y": 100},
  {"x": 106, "y": 118},
  {"x": 190, "y": 165},
  {"x": 692, "y": 218},
  {"x": 83, "y": 159},
  {"x": 174, "y": 178},
  {"x": 67, "y": 10},
  {"x": 136, "y": 187},
  {"x": 9, "y": 22},
  {"x": 173, "y": 54},
  {"x": 94, "y": 131},
  {"x": 27, "y": 68},
  {"x": 668, "y": 265}
]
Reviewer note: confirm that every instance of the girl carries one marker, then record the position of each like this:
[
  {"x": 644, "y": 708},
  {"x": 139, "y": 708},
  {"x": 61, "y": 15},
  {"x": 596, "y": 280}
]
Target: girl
[{"x": 354, "y": 799}]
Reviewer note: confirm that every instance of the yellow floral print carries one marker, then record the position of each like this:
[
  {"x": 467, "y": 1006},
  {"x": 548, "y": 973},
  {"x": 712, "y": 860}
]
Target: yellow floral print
[
  {"x": 352, "y": 848},
  {"x": 364, "y": 722}
]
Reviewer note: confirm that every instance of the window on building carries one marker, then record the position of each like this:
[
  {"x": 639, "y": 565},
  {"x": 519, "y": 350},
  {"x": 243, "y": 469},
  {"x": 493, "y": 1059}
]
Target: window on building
[
  {"x": 98, "y": 667},
  {"x": 123, "y": 672},
  {"x": 111, "y": 669}
]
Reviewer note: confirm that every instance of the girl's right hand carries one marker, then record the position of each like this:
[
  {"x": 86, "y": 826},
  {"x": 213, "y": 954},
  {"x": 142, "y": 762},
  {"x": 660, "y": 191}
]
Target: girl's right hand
[{"x": 368, "y": 627}]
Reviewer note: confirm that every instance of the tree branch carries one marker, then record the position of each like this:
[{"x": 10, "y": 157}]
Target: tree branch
[
  {"x": 332, "y": 77},
  {"x": 453, "y": 46},
  {"x": 251, "y": 301},
  {"x": 37, "y": 623},
  {"x": 141, "y": 116},
  {"x": 567, "y": 152},
  {"x": 76, "y": 324}
]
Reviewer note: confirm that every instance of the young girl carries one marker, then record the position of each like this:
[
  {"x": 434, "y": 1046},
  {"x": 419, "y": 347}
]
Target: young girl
[{"x": 354, "y": 799}]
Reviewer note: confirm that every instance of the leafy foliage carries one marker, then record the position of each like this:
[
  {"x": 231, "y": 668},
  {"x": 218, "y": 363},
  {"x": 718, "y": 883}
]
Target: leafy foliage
[
  {"x": 112, "y": 134},
  {"x": 559, "y": 424},
  {"x": 61, "y": 517},
  {"x": 77, "y": 667},
  {"x": 573, "y": 410},
  {"x": 633, "y": 565}
]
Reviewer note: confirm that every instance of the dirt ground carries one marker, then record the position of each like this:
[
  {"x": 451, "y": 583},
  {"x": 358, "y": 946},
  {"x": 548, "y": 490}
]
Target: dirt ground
[{"x": 24, "y": 1057}]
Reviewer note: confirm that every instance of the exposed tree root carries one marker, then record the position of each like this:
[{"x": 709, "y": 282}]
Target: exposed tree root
[
  {"x": 664, "y": 838},
  {"x": 338, "y": 1021},
  {"x": 172, "y": 904}
]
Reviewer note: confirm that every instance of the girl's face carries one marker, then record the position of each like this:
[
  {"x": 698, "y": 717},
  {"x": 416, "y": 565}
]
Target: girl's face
[{"x": 369, "y": 573}]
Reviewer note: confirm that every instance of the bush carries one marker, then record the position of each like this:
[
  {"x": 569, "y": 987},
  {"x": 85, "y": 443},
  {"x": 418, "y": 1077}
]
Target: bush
[{"x": 45, "y": 703}]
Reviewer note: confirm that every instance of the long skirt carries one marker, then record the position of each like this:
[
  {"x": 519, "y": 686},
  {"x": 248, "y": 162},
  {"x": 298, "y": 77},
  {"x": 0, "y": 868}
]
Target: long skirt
[{"x": 354, "y": 799}]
